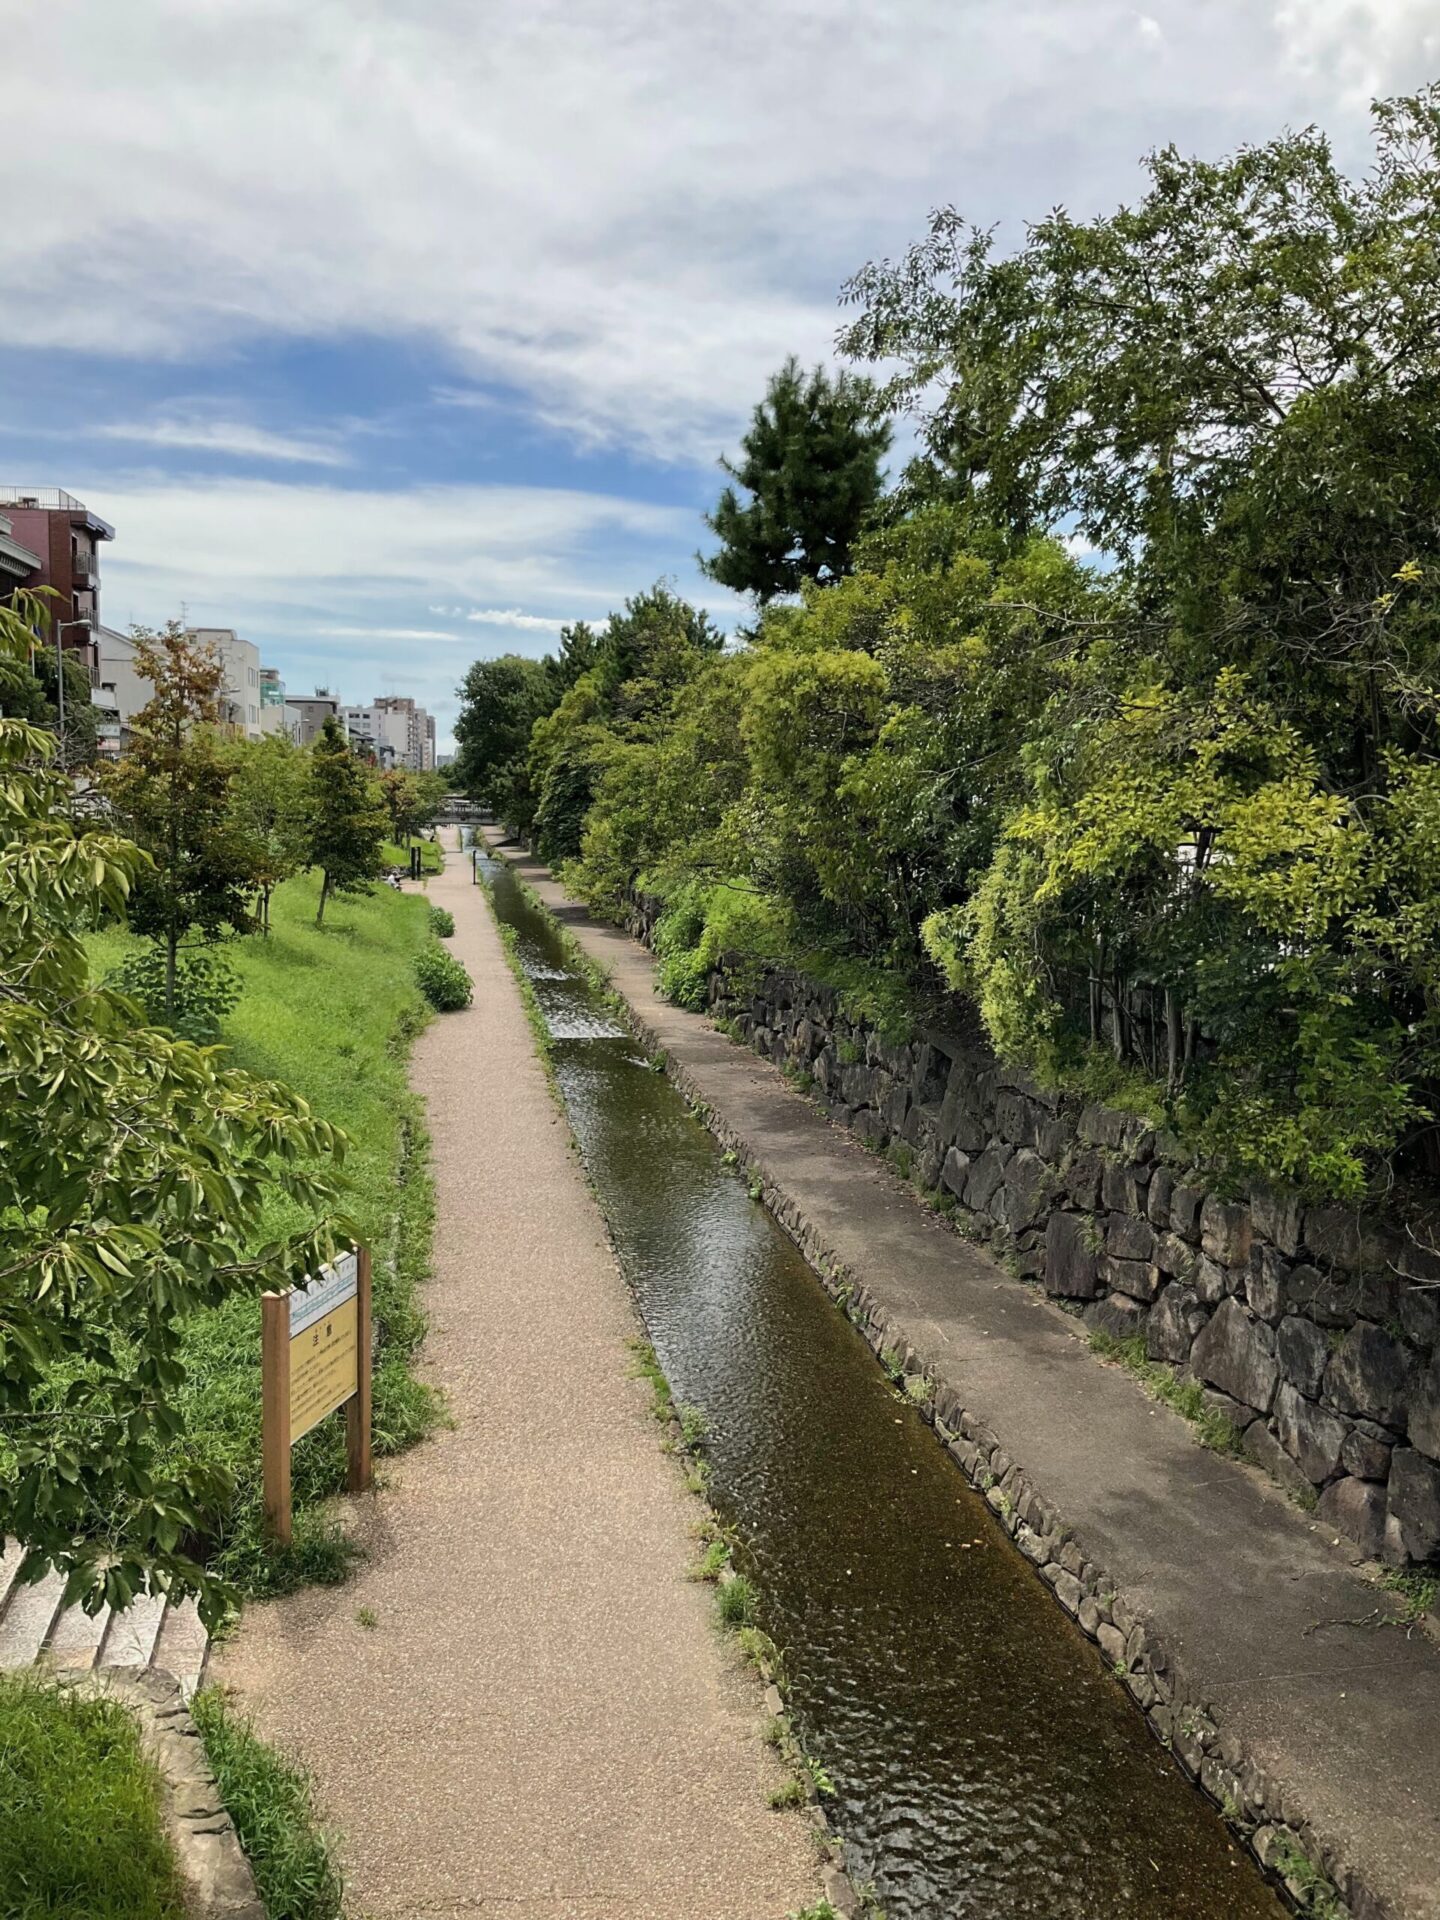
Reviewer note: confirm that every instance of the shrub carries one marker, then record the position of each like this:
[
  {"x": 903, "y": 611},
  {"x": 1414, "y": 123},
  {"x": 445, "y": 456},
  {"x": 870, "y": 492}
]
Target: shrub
[
  {"x": 206, "y": 989},
  {"x": 442, "y": 922},
  {"x": 442, "y": 979}
]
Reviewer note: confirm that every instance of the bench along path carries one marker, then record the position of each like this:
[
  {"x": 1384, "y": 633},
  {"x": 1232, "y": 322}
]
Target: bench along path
[
  {"x": 36, "y": 1630},
  {"x": 541, "y": 1720},
  {"x": 1261, "y": 1608}
]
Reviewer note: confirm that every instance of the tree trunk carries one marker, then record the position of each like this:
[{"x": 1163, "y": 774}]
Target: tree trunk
[
  {"x": 172, "y": 941},
  {"x": 324, "y": 896}
]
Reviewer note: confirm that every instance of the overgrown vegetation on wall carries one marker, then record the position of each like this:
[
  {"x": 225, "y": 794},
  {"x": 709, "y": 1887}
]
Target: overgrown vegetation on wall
[{"x": 1122, "y": 724}]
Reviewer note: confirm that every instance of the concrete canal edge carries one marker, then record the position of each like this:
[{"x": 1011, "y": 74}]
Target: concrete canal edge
[{"x": 1334, "y": 1802}]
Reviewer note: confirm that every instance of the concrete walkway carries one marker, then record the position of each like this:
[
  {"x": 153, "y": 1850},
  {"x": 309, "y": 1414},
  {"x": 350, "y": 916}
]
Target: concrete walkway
[
  {"x": 1262, "y": 1610},
  {"x": 542, "y": 1722}
]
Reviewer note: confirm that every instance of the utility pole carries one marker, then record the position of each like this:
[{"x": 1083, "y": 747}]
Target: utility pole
[{"x": 61, "y": 628}]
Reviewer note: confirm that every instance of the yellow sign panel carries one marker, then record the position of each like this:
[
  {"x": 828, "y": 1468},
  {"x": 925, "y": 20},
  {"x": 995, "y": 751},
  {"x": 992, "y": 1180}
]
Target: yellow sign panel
[{"x": 323, "y": 1372}]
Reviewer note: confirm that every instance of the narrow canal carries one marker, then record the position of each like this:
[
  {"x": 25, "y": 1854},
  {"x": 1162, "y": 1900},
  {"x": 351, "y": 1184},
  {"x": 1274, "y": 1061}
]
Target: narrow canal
[{"x": 984, "y": 1762}]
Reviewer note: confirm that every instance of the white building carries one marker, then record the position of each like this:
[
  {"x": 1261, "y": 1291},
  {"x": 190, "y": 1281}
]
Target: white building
[
  {"x": 240, "y": 689},
  {"x": 395, "y": 730}
]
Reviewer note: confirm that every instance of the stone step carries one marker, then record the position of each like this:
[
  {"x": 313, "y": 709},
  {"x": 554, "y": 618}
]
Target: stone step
[
  {"x": 133, "y": 1633},
  {"x": 75, "y": 1638},
  {"x": 183, "y": 1645},
  {"x": 26, "y": 1620}
]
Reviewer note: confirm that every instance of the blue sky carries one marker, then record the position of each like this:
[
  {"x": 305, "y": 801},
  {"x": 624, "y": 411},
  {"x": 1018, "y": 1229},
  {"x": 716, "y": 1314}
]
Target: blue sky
[{"x": 396, "y": 335}]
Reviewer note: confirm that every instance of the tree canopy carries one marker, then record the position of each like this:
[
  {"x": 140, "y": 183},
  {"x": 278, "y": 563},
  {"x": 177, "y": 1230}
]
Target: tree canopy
[
  {"x": 136, "y": 1176},
  {"x": 810, "y": 462},
  {"x": 347, "y": 817}
]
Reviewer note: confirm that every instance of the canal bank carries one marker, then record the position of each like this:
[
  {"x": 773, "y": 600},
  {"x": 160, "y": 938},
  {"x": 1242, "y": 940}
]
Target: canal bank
[
  {"x": 519, "y": 1704},
  {"x": 1264, "y": 1660}
]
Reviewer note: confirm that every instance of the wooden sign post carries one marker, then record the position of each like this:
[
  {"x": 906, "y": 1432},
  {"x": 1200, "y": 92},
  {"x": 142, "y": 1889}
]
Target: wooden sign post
[{"x": 315, "y": 1357}]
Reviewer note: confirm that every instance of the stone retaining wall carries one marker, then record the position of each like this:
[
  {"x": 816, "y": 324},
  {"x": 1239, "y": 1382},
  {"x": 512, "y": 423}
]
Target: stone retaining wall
[{"x": 1314, "y": 1330}]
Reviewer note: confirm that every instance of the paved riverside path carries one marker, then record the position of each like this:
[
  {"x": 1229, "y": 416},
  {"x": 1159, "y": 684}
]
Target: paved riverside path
[
  {"x": 542, "y": 1723},
  {"x": 1259, "y": 1607}
]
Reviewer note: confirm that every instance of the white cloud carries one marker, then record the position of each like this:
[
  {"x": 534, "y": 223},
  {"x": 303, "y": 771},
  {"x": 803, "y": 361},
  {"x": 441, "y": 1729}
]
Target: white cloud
[
  {"x": 629, "y": 213},
  {"x": 1149, "y": 30},
  {"x": 1358, "y": 49},
  {"x": 223, "y": 437},
  {"x": 334, "y": 582},
  {"x": 386, "y": 633}
]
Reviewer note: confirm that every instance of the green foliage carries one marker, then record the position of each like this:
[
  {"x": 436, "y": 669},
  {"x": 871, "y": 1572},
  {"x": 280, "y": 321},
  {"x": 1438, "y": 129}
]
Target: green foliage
[
  {"x": 171, "y": 795},
  {"x": 270, "y": 803},
  {"x": 82, "y": 1836},
  {"x": 332, "y": 1009},
  {"x": 442, "y": 979},
  {"x": 137, "y": 1175},
  {"x": 442, "y": 923},
  {"x": 1170, "y": 826},
  {"x": 810, "y": 462},
  {"x": 500, "y": 701},
  {"x": 347, "y": 818},
  {"x": 271, "y": 1803},
  {"x": 735, "y": 1603},
  {"x": 28, "y": 687},
  {"x": 205, "y": 988}
]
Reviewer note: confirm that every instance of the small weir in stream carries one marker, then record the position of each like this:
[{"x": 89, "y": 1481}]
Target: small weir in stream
[{"x": 985, "y": 1763}]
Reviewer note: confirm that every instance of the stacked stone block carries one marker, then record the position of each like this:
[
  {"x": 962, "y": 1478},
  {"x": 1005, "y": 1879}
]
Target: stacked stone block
[{"x": 1314, "y": 1330}]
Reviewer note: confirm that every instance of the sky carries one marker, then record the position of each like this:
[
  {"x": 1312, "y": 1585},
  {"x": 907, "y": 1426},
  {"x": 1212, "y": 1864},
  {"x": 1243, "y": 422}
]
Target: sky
[{"x": 398, "y": 333}]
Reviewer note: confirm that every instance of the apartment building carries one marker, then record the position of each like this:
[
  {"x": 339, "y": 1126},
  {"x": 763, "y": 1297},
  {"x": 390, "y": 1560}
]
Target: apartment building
[
  {"x": 240, "y": 689},
  {"x": 62, "y": 536},
  {"x": 395, "y": 730},
  {"x": 305, "y": 715}
]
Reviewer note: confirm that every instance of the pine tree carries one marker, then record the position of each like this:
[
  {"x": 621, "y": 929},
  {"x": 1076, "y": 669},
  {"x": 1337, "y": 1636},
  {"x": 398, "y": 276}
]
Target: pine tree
[
  {"x": 811, "y": 463},
  {"x": 348, "y": 817}
]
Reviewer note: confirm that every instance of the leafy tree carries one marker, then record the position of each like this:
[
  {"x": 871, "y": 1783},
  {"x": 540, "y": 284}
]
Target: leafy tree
[
  {"x": 136, "y": 1174},
  {"x": 401, "y": 796},
  {"x": 810, "y": 462},
  {"x": 432, "y": 790},
  {"x": 347, "y": 817},
  {"x": 500, "y": 701},
  {"x": 649, "y": 652},
  {"x": 1233, "y": 388},
  {"x": 27, "y": 684},
  {"x": 270, "y": 810},
  {"x": 171, "y": 793}
]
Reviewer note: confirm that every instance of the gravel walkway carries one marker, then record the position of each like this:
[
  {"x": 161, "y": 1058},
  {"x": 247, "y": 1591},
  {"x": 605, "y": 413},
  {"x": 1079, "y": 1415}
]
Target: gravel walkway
[{"x": 542, "y": 1723}]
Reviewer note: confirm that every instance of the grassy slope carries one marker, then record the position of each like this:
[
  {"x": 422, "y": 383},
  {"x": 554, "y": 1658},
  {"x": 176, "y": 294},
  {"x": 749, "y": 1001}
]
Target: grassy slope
[
  {"x": 394, "y": 855},
  {"x": 80, "y": 1827},
  {"x": 329, "y": 1011}
]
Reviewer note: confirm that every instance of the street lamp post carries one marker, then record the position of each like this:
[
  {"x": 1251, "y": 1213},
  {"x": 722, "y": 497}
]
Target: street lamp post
[{"x": 61, "y": 628}]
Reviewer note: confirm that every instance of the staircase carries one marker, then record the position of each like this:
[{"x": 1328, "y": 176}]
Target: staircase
[{"x": 150, "y": 1632}]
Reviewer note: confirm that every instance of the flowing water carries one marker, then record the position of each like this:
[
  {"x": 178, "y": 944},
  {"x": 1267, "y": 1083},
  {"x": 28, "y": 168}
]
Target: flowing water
[{"x": 984, "y": 1762}]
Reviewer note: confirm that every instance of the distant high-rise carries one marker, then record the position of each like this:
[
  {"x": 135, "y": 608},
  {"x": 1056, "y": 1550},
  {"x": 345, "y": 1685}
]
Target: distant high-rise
[{"x": 395, "y": 730}]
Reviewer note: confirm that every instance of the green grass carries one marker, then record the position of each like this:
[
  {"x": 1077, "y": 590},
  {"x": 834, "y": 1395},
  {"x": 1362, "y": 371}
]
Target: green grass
[
  {"x": 331, "y": 1012},
  {"x": 81, "y": 1834},
  {"x": 735, "y": 1603},
  {"x": 431, "y": 857},
  {"x": 1186, "y": 1397},
  {"x": 269, "y": 1801}
]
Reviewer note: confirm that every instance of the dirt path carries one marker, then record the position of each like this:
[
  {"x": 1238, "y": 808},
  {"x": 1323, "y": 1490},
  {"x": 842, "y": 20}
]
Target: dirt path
[{"x": 542, "y": 1723}]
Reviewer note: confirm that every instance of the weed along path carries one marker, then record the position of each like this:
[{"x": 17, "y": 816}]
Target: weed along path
[{"x": 519, "y": 1706}]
